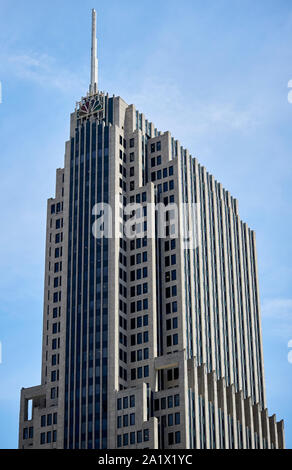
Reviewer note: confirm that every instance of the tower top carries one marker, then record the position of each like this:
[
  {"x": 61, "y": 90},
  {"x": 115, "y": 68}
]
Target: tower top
[{"x": 94, "y": 60}]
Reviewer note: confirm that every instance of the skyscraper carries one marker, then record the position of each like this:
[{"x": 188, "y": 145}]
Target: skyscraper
[{"x": 151, "y": 330}]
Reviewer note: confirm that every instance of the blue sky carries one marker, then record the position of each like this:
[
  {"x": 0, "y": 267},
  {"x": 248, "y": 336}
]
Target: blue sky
[{"x": 213, "y": 72}]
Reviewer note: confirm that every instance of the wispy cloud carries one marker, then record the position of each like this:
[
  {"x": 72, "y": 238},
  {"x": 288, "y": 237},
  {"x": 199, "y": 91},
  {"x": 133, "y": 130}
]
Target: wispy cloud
[
  {"x": 164, "y": 100},
  {"x": 278, "y": 312},
  {"x": 43, "y": 70},
  {"x": 277, "y": 308}
]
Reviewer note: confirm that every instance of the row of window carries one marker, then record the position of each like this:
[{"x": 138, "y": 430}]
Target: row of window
[
  {"x": 140, "y": 338},
  {"x": 47, "y": 438},
  {"x": 139, "y": 306},
  {"x": 171, "y": 308},
  {"x": 126, "y": 402},
  {"x": 56, "y": 312},
  {"x": 170, "y": 276},
  {"x": 139, "y": 258},
  {"x": 57, "y": 281},
  {"x": 48, "y": 420},
  {"x": 56, "y": 208},
  {"x": 171, "y": 292},
  {"x": 138, "y": 243},
  {"x": 126, "y": 420},
  {"x": 170, "y": 261},
  {"x": 133, "y": 438},
  {"x": 28, "y": 433},
  {"x": 140, "y": 355},
  {"x": 174, "y": 438},
  {"x": 139, "y": 322},
  {"x": 58, "y": 267},
  {"x": 172, "y": 401},
  {"x": 139, "y": 373},
  {"x": 59, "y": 224},
  {"x": 138, "y": 198},
  {"x": 140, "y": 289},
  {"x": 156, "y": 147},
  {"x": 54, "y": 375},
  {"x": 172, "y": 324},
  {"x": 172, "y": 340},
  {"x": 138, "y": 274}
]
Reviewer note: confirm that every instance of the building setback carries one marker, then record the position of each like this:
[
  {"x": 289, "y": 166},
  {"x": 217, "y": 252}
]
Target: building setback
[{"x": 147, "y": 343}]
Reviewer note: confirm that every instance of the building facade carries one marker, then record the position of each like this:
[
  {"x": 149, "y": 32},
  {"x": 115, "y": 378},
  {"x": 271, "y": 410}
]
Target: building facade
[{"x": 150, "y": 339}]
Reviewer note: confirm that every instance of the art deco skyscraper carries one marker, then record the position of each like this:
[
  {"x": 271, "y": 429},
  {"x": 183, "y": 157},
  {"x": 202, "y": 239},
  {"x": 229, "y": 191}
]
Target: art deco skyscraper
[{"x": 147, "y": 342}]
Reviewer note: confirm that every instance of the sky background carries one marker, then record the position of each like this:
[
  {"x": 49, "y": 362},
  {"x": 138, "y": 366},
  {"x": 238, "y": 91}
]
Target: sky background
[{"x": 213, "y": 72}]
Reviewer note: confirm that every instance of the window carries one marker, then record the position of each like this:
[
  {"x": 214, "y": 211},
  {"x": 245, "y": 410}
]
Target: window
[
  {"x": 170, "y": 420},
  {"x": 158, "y": 146},
  {"x": 119, "y": 441},
  {"x": 132, "y": 401},
  {"x": 132, "y": 157},
  {"x": 139, "y": 437},
  {"x": 177, "y": 418},
  {"x": 170, "y": 439},
  {"x": 43, "y": 421},
  {"x": 132, "y": 143},
  {"x": 146, "y": 435},
  {"x": 132, "y": 438},
  {"x": 177, "y": 437},
  {"x": 125, "y": 403},
  {"x": 132, "y": 419},
  {"x": 43, "y": 438},
  {"x": 119, "y": 404},
  {"x": 152, "y": 148}
]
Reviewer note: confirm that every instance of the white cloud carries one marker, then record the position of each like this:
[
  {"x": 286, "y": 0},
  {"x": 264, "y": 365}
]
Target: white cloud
[
  {"x": 278, "y": 308},
  {"x": 166, "y": 104},
  {"x": 42, "y": 69},
  {"x": 277, "y": 316}
]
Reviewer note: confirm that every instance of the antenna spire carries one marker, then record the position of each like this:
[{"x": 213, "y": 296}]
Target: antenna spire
[{"x": 94, "y": 60}]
